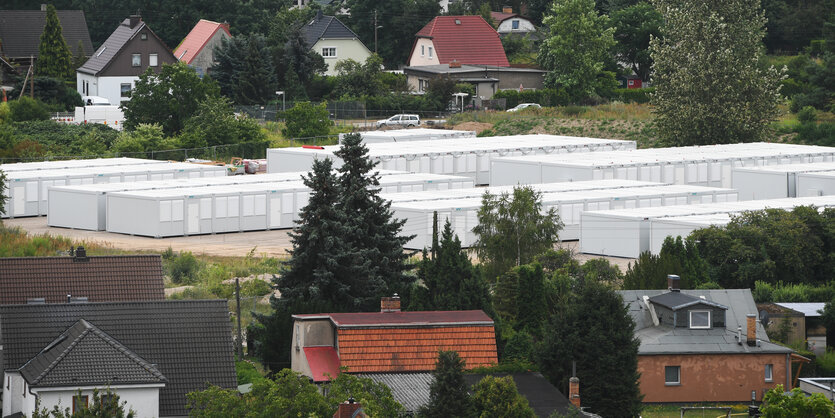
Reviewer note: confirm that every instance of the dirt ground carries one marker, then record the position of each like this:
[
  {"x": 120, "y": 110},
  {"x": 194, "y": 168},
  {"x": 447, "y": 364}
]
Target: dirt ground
[{"x": 478, "y": 127}]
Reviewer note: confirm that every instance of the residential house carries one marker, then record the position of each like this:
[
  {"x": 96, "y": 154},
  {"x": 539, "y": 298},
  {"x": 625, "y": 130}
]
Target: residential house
[
  {"x": 151, "y": 353},
  {"x": 801, "y": 320},
  {"x": 466, "y": 40},
  {"x": 508, "y": 23},
  {"x": 20, "y": 34},
  {"x": 197, "y": 49},
  {"x": 334, "y": 41},
  {"x": 115, "y": 67},
  {"x": 111, "y": 278},
  {"x": 704, "y": 346},
  {"x": 486, "y": 79}
]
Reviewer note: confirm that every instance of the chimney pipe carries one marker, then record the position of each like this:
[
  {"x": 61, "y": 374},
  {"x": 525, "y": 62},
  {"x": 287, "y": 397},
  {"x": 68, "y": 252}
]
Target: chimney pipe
[
  {"x": 69, "y": 297},
  {"x": 751, "y": 338},
  {"x": 390, "y": 304},
  {"x": 673, "y": 283},
  {"x": 134, "y": 20},
  {"x": 43, "y": 7},
  {"x": 574, "y": 386}
]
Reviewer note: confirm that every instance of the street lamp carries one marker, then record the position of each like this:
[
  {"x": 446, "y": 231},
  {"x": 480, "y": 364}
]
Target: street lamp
[{"x": 281, "y": 93}]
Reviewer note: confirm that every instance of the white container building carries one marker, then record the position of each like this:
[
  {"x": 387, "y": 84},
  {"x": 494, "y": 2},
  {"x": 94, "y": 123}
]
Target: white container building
[
  {"x": 775, "y": 182},
  {"x": 627, "y": 232},
  {"x": 27, "y": 191},
  {"x": 700, "y": 165},
  {"x": 462, "y": 156},
  {"x": 463, "y": 217},
  {"x": 416, "y": 134},
  {"x": 816, "y": 184},
  {"x": 675, "y": 226},
  {"x": 58, "y": 164}
]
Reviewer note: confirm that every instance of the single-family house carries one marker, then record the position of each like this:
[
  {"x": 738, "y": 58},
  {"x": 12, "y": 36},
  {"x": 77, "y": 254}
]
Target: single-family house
[
  {"x": 197, "y": 49},
  {"x": 508, "y": 23},
  {"x": 110, "y": 278},
  {"x": 149, "y": 354},
  {"x": 704, "y": 346},
  {"x": 466, "y": 40},
  {"x": 486, "y": 79},
  {"x": 20, "y": 34},
  {"x": 115, "y": 67},
  {"x": 334, "y": 41},
  {"x": 801, "y": 321}
]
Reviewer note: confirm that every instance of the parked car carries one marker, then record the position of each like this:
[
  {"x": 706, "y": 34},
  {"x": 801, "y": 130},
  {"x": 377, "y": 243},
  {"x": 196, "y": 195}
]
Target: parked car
[
  {"x": 400, "y": 120},
  {"x": 522, "y": 106}
]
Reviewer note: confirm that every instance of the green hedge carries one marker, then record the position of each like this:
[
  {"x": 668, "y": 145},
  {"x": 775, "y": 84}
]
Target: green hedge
[
  {"x": 544, "y": 97},
  {"x": 634, "y": 95}
]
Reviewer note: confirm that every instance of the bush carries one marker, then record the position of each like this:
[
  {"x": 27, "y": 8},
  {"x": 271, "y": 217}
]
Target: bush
[
  {"x": 67, "y": 139},
  {"x": 544, "y": 97},
  {"x": 25, "y": 108},
  {"x": 641, "y": 95},
  {"x": 807, "y": 115},
  {"x": 306, "y": 120},
  {"x": 57, "y": 95},
  {"x": 5, "y": 113},
  {"x": 183, "y": 268}
]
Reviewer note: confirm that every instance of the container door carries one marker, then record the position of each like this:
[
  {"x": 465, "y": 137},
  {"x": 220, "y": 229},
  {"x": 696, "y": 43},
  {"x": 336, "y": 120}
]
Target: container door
[
  {"x": 19, "y": 200},
  {"x": 275, "y": 211},
  {"x": 193, "y": 223}
]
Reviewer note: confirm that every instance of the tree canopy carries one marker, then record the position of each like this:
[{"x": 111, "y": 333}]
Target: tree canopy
[
  {"x": 448, "y": 396},
  {"x": 54, "y": 56}
]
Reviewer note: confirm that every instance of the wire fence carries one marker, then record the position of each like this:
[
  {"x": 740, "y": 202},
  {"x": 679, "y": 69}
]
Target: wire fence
[{"x": 355, "y": 112}]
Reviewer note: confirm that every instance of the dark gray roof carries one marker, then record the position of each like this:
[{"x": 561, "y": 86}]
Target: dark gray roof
[
  {"x": 444, "y": 69},
  {"x": 189, "y": 341},
  {"x": 542, "y": 396},
  {"x": 111, "y": 47},
  {"x": 678, "y": 300},
  {"x": 665, "y": 339},
  {"x": 409, "y": 389},
  {"x": 20, "y": 31},
  {"x": 85, "y": 355},
  {"x": 325, "y": 27}
]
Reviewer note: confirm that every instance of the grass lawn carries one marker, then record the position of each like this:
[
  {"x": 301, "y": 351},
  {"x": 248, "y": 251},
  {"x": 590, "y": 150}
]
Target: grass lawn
[{"x": 674, "y": 411}]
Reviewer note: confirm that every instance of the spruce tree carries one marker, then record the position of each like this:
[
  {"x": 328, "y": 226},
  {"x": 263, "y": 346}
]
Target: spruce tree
[
  {"x": 448, "y": 395},
  {"x": 257, "y": 80},
  {"x": 78, "y": 58},
  {"x": 54, "y": 57},
  {"x": 371, "y": 230}
]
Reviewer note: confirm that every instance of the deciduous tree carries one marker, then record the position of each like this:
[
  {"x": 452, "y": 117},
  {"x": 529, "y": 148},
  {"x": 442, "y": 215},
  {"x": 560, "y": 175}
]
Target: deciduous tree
[
  {"x": 54, "y": 56},
  {"x": 634, "y": 26},
  {"x": 499, "y": 397},
  {"x": 306, "y": 120},
  {"x": 779, "y": 404}
]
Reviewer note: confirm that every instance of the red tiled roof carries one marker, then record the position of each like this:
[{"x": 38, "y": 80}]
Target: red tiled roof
[
  {"x": 473, "y": 41},
  {"x": 323, "y": 361},
  {"x": 194, "y": 42},
  {"x": 100, "y": 279},
  {"x": 403, "y": 319},
  {"x": 499, "y": 17}
]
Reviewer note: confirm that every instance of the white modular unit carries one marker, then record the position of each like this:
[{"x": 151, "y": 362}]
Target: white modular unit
[
  {"x": 626, "y": 232},
  {"x": 28, "y": 190},
  {"x": 59, "y": 164},
  {"x": 404, "y": 135},
  {"x": 462, "y": 213},
  {"x": 816, "y": 184},
  {"x": 700, "y": 165},
  {"x": 774, "y": 182},
  {"x": 461, "y": 156},
  {"x": 681, "y": 226}
]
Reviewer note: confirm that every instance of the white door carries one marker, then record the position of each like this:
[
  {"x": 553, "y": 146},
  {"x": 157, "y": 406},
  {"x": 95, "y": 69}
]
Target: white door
[
  {"x": 19, "y": 201},
  {"x": 275, "y": 212},
  {"x": 193, "y": 226}
]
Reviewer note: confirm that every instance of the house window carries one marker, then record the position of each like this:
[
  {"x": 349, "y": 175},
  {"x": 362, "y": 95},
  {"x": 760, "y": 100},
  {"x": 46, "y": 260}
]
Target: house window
[
  {"x": 125, "y": 90},
  {"x": 699, "y": 319},
  {"x": 79, "y": 403},
  {"x": 136, "y": 60},
  {"x": 769, "y": 372},
  {"x": 422, "y": 48},
  {"x": 143, "y": 36},
  {"x": 430, "y": 52},
  {"x": 515, "y": 24},
  {"x": 153, "y": 59},
  {"x": 298, "y": 337},
  {"x": 631, "y": 82},
  {"x": 672, "y": 375},
  {"x": 329, "y": 52}
]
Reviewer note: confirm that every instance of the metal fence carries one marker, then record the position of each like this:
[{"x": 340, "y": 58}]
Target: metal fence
[{"x": 354, "y": 112}]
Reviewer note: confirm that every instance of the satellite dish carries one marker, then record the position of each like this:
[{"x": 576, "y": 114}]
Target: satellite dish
[{"x": 764, "y": 317}]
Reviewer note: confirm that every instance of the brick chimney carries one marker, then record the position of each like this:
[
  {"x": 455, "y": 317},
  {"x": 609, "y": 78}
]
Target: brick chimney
[
  {"x": 507, "y": 9},
  {"x": 347, "y": 409},
  {"x": 454, "y": 64},
  {"x": 134, "y": 20},
  {"x": 673, "y": 283},
  {"x": 751, "y": 337},
  {"x": 390, "y": 304},
  {"x": 574, "y": 391}
]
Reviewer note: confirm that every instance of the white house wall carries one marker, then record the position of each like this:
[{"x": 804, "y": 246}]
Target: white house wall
[
  {"x": 345, "y": 49},
  {"x": 144, "y": 401},
  {"x": 425, "y": 59},
  {"x": 525, "y": 26},
  {"x": 205, "y": 58},
  {"x": 12, "y": 393},
  {"x": 108, "y": 87}
]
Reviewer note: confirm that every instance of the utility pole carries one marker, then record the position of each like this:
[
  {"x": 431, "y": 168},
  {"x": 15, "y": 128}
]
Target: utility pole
[
  {"x": 375, "y": 31},
  {"x": 32, "y": 80},
  {"x": 238, "y": 313}
]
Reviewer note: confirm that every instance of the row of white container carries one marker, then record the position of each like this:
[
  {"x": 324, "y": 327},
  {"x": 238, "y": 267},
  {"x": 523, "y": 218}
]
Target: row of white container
[
  {"x": 789, "y": 180},
  {"x": 415, "y": 134},
  {"x": 27, "y": 191},
  {"x": 215, "y": 209},
  {"x": 461, "y": 156},
  {"x": 701, "y": 165},
  {"x": 627, "y": 232},
  {"x": 59, "y": 164},
  {"x": 463, "y": 213}
]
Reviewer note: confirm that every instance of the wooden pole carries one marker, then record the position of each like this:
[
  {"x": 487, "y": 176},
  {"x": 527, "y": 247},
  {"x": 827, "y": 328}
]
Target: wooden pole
[
  {"x": 238, "y": 312},
  {"x": 32, "y": 80}
]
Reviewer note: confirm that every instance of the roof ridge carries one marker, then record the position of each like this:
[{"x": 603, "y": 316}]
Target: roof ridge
[
  {"x": 63, "y": 354},
  {"x": 147, "y": 366}
]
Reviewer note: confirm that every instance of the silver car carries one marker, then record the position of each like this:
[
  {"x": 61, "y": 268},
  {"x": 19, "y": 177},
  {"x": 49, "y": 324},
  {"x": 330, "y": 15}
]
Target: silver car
[{"x": 400, "y": 120}]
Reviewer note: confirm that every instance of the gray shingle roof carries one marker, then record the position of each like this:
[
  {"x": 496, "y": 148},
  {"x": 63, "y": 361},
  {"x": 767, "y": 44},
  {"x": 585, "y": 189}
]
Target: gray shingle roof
[
  {"x": 20, "y": 31},
  {"x": 678, "y": 300},
  {"x": 409, "y": 389},
  {"x": 111, "y": 47},
  {"x": 189, "y": 341},
  {"x": 543, "y": 397},
  {"x": 85, "y": 355},
  {"x": 665, "y": 339},
  {"x": 325, "y": 27}
]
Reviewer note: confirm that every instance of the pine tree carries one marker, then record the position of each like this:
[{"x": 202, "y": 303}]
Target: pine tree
[
  {"x": 78, "y": 58},
  {"x": 448, "y": 396},
  {"x": 54, "y": 57},
  {"x": 710, "y": 84},
  {"x": 256, "y": 80},
  {"x": 371, "y": 230}
]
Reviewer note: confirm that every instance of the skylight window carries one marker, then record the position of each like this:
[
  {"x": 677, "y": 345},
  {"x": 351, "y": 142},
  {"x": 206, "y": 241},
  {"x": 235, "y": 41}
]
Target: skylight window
[{"x": 101, "y": 50}]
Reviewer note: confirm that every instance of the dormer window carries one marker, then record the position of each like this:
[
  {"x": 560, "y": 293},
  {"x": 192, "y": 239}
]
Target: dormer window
[
  {"x": 143, "y": 36},
  {"x": 699, "y": 319}
]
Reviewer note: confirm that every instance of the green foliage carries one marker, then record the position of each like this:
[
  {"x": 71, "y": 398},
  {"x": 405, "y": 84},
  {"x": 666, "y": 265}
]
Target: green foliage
[
  {"x": 544, "y": 97},
  {"x": 54, "y": 93},
  {"x": 520, "y": 347},
  {"x": 828, "y": 320},
  {"x": 5, "y": 113},
  {"x": 356, "y": 79},
  {"x": 244, "y": 69},
  {"x": 182, "y": 268},
  {"x": 102, "y": 405},
  {"x": 634, "y": 26},
  {"x": 49, "y": 137},
  {"x": 816, "y": 84},
  {"x": 3, "y": 188},
  {"x": 576, "y": 47},
  {"x": 677, "y": 256},
  {"x": 530, "y": 299},
  {"x": 306, "y": 120},
  {"x": 144, "y": 137},
  {"x": 440, "y": 91},
  {"x": 807, "y": 115},
  {"x": 498, "y": 397},
  {"x": 54, "y": 56},
  {"x": 778, "y": 404},
  {"x": 825, "y": 364},
  {"x": 448, "y": 396},
  {"x": 25, "y": 109},
  {"x": 792, "y": 292},
  {"x": 375, "y": 398},
  {"x": 168, "y": 98},
  {"x": 247, "y": 373},
  {"x": 215, "y": 123},
  {"x": 518, "y": 49},
  {"x": 513, "y": 229},
  {"x": 642, "y": 95},
  {"x": 793, "y": 25},
  {"x": 709, "y": 84}
]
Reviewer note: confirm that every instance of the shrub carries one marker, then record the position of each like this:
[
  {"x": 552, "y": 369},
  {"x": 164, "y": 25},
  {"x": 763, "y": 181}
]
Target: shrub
[
  {"x": 183, "y": 268},
  {"x": 641, "y": 95},
  {"x": 807, "y": 115},
  {"x": 307, "y": 120},
  {"x": 544, "y": 97},
  {"x": 25, "y": 108}
]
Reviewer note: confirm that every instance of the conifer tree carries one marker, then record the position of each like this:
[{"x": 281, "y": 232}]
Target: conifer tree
[
  {"x": 371, "y": 230},
  {"x": 257, "y": 80},
  {"x": 78, "y": 58},
  {"x": 448, "y": 395},
  {"x": 54, "y": 57}
]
